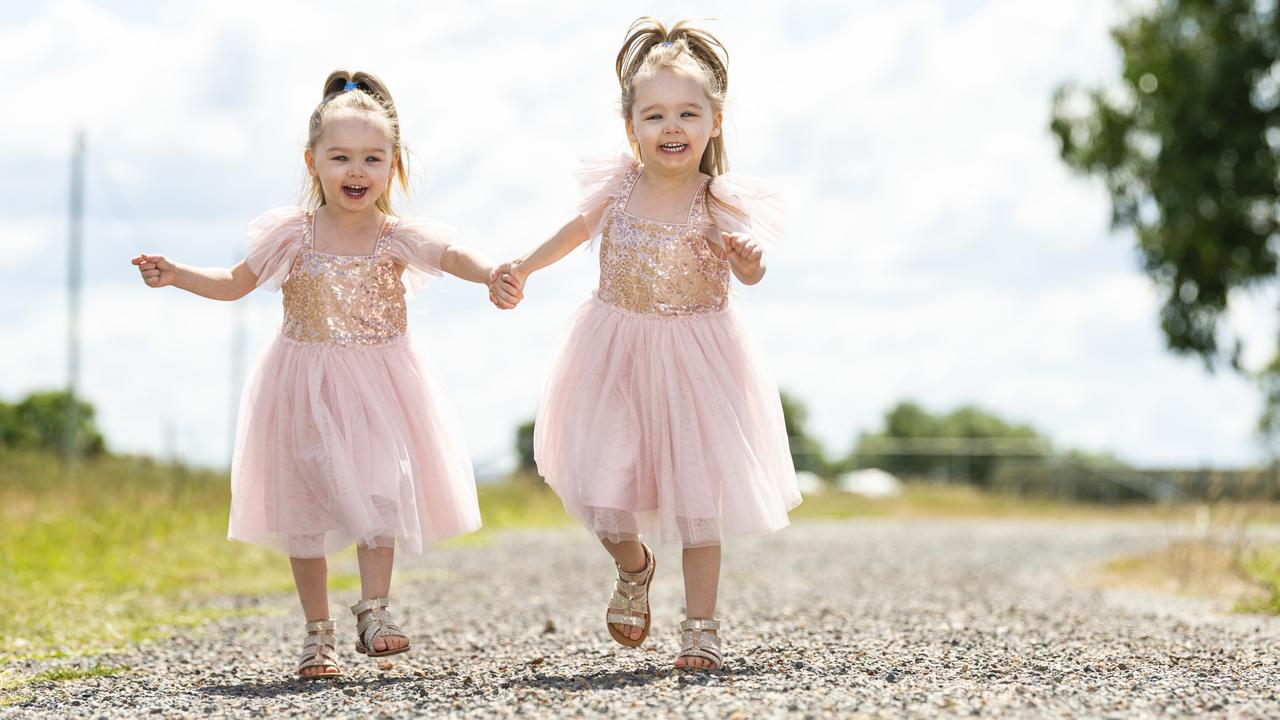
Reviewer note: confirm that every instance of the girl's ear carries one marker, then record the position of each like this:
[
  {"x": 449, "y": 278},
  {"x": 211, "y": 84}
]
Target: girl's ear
[
  {"x": 633, "y": 141},
  {"x": 310, "y": 157},
  {"x": 716, "y": 121}
]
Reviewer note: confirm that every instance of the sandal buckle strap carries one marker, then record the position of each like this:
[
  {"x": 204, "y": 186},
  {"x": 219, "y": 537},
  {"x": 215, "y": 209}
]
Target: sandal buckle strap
[
  {"x": 374, "y": 604},
  {"x": 620, "y": 619}
]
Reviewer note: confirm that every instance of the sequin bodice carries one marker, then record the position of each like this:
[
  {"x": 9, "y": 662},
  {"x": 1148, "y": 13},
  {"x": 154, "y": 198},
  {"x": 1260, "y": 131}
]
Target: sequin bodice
[
  {"x": 660, "y": 268},
  {"x": 344, "y": 299}
]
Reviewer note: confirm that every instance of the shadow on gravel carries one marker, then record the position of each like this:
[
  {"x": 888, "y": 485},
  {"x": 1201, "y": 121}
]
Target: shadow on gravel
[
  {"x": 277, "y": 688},
  {"x": 630, "y": 678}
]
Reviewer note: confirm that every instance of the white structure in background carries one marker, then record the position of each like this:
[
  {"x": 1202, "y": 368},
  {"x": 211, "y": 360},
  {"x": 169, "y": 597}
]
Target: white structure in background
[
  {"x": 810, "y": 483},
  {"x": 872, "y": 482}
]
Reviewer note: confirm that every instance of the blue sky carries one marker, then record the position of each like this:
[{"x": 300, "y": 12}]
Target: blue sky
[{"x": 937, "y": 250}]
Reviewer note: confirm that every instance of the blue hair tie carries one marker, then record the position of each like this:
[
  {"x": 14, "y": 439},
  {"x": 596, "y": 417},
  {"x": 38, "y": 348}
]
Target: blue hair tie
[
  {"x": 350, "y": 86},
  {"x": 667, "y": 43}
]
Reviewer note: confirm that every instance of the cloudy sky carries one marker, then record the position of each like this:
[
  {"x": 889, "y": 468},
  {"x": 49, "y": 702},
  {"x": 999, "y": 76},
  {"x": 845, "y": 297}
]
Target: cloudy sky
[{"x": 938, "y": 250}]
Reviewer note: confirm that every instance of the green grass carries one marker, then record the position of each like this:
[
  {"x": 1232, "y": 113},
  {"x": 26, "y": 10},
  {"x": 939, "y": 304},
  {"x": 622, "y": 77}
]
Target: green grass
[
  {"x": 127, "y": 549},
  {"x": 119, "y": 550},
  {"x": 1211, "y": 566},
  {"x": 71, "y": 673},
  {"x": 523, "y": 501},
  {"x": 1262, "y": 567},
  {"x": 11, "y": 690}
]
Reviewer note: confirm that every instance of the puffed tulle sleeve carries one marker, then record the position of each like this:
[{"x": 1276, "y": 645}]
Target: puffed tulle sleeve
[
  {"x": 274, "y": 240},
  {"x": 419, "y": 243},
  {"x": 741, "y": 204},
  {"x": 601, "y": 179}
]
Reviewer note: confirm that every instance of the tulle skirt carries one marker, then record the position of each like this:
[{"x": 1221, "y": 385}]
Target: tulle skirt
[
  {"x": 664, "y": 427},
  {"x": 343, "y": 444}
]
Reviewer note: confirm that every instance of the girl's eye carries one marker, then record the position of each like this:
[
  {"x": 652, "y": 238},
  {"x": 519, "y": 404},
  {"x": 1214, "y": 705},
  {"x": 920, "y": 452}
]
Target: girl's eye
[
  {"x": 373, "y": 159},
  {"x": 687, "y": 113},
  {"x": 340, "y": 158},
  {"x": 654, "y": 117}
]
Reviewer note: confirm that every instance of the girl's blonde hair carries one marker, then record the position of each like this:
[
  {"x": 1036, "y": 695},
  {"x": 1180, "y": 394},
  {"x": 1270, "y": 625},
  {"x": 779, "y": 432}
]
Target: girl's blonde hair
[
  {"x": 369, "y": 96},
  {"x": 651, "y": 46}
]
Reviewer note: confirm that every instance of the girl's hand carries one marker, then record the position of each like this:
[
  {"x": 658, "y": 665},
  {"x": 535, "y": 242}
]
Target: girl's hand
[
  {"x": 157, "y": 270},
  {"x": 506, "y": 288},
  {"x": 743, "y": 251}
]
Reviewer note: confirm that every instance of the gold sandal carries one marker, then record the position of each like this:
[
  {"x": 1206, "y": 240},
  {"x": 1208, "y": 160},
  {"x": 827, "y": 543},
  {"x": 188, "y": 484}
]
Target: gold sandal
[
  {"x": 695, "y": 642},
  {"x": 320, "y": 649},
  {"x": 629, "y": 605},
  {"x": 376, "y": 624}
]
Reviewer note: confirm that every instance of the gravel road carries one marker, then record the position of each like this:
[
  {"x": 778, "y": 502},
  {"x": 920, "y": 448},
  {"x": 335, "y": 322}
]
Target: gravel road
[{"x": 856, "y": 619}]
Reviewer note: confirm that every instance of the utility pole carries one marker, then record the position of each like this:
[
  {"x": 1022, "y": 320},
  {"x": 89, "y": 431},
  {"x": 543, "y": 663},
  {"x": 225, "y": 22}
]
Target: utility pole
[{"x": 75, "y": 243}]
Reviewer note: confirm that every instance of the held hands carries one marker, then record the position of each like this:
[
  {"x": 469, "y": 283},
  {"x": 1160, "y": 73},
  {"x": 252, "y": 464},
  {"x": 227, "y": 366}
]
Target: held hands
[
  {"x": 157, "y": 270},
  {"x": 506, "y": 286}
]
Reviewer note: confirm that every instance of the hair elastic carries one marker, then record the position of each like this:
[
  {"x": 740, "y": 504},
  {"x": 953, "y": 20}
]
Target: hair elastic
[{"x": 350, "y": 86}]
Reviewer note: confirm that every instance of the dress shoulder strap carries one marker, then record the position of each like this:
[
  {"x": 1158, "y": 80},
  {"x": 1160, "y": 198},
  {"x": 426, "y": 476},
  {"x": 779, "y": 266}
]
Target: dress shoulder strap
[
  {"x": 698, "y": 211},
  {"x": 309, "y": 231},
  {"x": 389, "y": 225}
]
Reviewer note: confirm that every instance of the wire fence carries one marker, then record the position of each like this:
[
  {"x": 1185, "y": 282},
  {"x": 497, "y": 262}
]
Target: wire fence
[{"x": 1032, "y": 468}]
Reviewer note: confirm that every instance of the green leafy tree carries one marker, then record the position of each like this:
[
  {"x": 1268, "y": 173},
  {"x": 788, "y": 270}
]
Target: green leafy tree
[
  {"x": 806, "y": 450},
  {"x": 39, "y": 421},
  {"x": 1187, "y": 143},
  {"x": 524, "y": 446},
  {"x": 909, "y": 444}
]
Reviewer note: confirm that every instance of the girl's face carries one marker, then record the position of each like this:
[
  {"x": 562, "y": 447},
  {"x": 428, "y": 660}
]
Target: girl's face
[
  {"x": 353, "y": 161},
  {"x": 672, "y": 121}
]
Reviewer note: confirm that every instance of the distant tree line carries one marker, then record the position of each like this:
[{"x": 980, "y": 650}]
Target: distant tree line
[{"x": 912, "y": 443}]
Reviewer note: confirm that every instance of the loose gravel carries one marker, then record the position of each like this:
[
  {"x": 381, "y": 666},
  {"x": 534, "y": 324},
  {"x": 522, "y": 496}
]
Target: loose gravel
[{"x": 852, "y": 619}]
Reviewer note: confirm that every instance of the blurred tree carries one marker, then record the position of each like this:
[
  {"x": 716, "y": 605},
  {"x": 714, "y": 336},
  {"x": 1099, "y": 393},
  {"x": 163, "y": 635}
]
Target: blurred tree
[
  {"x": 904, "y": 447},
  {"x": 907, "y": 419},
  {"x": 39, "y": 422},
  {"x": 806, "y": 450},
  {"x": 524, "y": 446},
  {"x": 1187, "y": 145}
]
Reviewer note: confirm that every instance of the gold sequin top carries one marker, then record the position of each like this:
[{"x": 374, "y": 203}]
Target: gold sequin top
[
  {"x": 344, "y": 299},
  {"x": 660, "y": 268}
]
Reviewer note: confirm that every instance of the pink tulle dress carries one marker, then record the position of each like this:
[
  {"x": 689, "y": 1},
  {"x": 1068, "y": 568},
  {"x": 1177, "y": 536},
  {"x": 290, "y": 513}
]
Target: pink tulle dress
[
  {"x": 659, "y": 419},
  {"x": 343, "y": 434}
]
